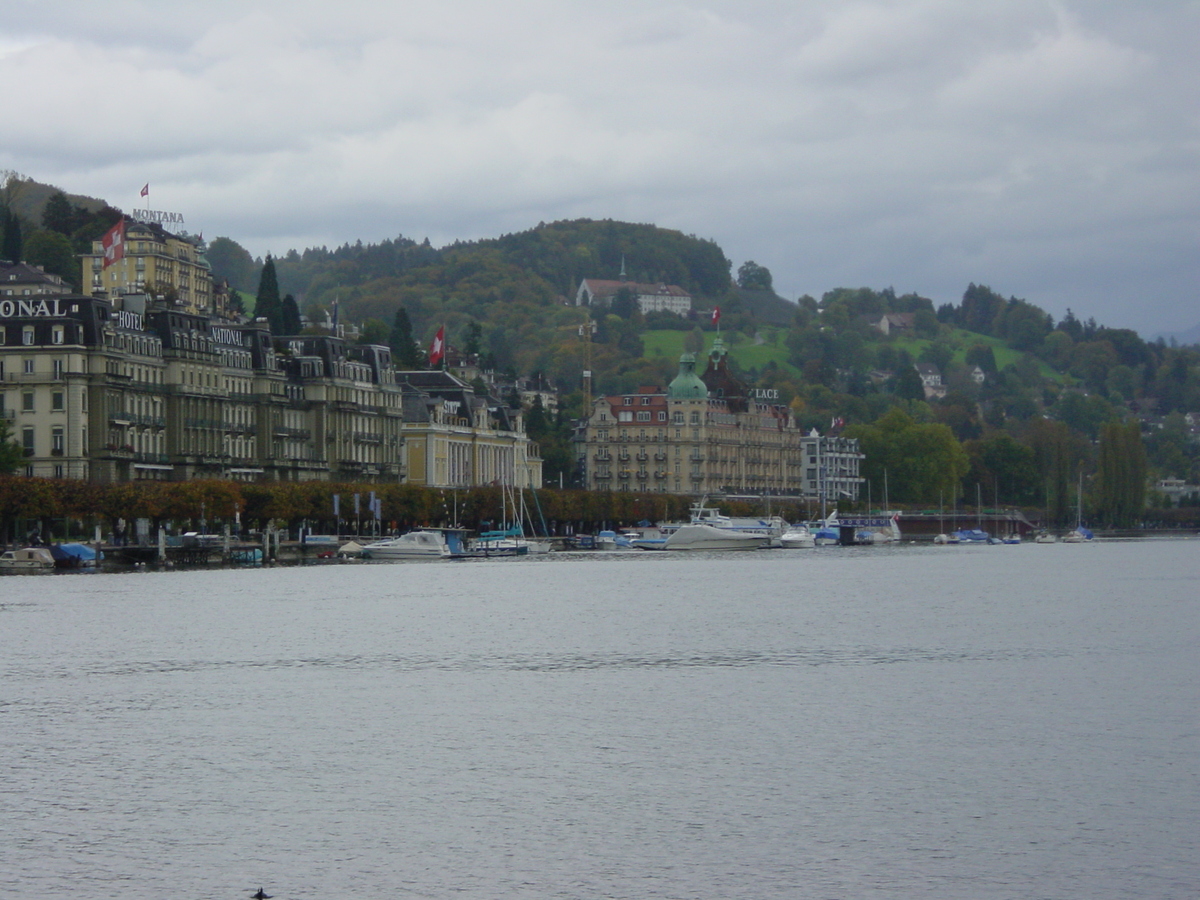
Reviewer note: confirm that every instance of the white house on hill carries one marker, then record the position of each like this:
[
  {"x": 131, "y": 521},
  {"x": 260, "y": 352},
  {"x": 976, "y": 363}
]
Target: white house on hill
[{"x": 650, "y": 297}]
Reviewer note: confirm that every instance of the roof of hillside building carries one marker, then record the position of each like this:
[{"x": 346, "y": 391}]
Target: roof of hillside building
[
  {"x": 602, "y": 288},
  {"x": 33, "y": 279}
]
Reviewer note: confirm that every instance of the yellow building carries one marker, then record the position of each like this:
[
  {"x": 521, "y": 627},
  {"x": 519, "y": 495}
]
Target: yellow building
[
  {"x": 158, "y": 263},
  {"x": 454, "y": 438}
]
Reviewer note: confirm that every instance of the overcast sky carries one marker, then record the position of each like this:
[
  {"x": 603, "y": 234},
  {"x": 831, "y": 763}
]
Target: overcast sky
[{"x": 1048, "y": 150}]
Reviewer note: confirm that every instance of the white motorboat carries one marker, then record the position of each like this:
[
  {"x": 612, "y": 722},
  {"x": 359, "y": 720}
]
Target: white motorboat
[
  {"x": 797, "y": 537},
  {"x": 413, "y": 545},
  {"x": 771, "y": 527},
  {"x": 708, "y": 537},
  {"x": 27, "y": 559}
]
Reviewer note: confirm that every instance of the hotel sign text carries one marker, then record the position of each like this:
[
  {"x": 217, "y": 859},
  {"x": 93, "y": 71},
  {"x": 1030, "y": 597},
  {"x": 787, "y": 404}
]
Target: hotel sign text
[
  {"x": 156, "y": 217},
  {"x": 12, "y": 308}
]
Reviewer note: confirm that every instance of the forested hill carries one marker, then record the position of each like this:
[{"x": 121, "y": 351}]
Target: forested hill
[{"x": 510, "y": 296}]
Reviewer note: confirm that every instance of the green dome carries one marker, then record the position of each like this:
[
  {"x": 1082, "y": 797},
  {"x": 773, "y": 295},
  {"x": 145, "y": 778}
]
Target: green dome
[{"x": 687, "y": 384}]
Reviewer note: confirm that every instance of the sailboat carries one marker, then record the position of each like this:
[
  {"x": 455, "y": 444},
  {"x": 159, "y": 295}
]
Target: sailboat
[{"x": 1080, "y": 535}]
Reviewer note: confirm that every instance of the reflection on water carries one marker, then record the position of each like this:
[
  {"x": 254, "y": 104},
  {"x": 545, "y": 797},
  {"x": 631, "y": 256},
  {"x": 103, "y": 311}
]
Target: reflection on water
[{"x": 994, "y": 722}]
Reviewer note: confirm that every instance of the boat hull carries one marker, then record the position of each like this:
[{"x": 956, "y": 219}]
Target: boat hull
[{"x": 706, "y": 537}]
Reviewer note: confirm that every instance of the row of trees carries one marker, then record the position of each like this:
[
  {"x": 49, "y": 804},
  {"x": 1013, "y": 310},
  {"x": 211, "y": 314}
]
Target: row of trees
[{"x": 186, "y": 504}]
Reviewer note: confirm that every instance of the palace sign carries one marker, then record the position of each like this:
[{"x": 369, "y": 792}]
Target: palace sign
[{"x": 766, "y": 393}]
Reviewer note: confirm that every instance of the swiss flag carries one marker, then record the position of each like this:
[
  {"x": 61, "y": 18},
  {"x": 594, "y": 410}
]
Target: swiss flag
[
  {"x": 716, "y": 316},
  {"x": 113, "y": 243},
  {"x": 437, "y": 349}
]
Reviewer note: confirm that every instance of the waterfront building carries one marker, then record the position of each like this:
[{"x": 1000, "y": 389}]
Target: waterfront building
[
  {"x": 132, "y": 388},
  {"x": 456, "y": 438},
  {"x": 711, "y": 434}
]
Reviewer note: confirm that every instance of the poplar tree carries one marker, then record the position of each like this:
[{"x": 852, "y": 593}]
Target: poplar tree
[{"x": 1122, "y": 474}]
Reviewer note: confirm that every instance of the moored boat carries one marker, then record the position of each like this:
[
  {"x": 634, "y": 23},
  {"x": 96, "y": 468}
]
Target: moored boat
[
  {"x": 27, "y": 559},
  {"x": 426, "y": 544},
  {"x": 797, "y": 537},
  {"x": 700, "y": 536}
]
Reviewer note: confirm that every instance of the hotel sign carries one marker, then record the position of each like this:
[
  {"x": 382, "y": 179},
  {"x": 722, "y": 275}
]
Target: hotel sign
[
  {"x": 230, "y": 336},
  {"x": 49, "y": 308},
  {"x": 130, "y": 321},
  {"x": 156, "y": 217},
  {"x": 766, "y": 393}
]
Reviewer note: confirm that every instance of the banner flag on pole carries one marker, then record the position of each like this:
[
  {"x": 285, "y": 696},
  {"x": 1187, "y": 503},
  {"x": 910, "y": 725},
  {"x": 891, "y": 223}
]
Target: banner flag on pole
[
  {"x": 113, "y": 244},
  {"x": 437, "y": 349}
]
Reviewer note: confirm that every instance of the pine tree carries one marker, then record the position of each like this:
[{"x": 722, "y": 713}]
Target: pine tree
[
  {"x": 292, "y": 323},
  {"x": 267, "y": 305},
  {"x": 405, "y": 352},
  {"x": 10, "y": 249}
]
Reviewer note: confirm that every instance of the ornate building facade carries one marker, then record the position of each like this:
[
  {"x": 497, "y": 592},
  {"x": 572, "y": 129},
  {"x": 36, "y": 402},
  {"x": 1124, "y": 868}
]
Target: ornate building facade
[
  {"x": 710, "y": 434},
  {"x": 130, "y": 388}
]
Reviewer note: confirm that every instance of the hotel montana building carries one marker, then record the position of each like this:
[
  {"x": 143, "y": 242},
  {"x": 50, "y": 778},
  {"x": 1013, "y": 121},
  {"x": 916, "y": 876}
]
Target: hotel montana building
[
  {"x": 156, "y": 262},
  {"x": 711, "y": 435},
  {"x": 130, "y": 388}
]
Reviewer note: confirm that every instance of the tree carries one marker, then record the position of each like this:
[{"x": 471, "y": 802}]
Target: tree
[
  {"x": 920, "y": 460},
  {"x": 1122, "y": 474},
  {"x": 231, "y": 261},
  {"x": 473, "y": 345},
  {"x": 405, "y": 352},
  {"x": 267, "y": 304},
  {"x": 54, "y": 253},
  {"x": 753, "y": 277},
  {"x": 60, "y": 215},
  {"x": 373, "y": 331},
  {"x": 908, "y": 385},
  {"x": 12, "y": 455},
  {"x": 10, "y": 247},
  {"x": 290, "y": 316}
]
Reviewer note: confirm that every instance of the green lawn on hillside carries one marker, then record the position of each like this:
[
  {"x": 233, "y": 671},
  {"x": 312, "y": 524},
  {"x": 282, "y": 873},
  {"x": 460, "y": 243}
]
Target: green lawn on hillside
[
  {"x": 964, "y": 340},
  {"x": 747, "y": 352}
]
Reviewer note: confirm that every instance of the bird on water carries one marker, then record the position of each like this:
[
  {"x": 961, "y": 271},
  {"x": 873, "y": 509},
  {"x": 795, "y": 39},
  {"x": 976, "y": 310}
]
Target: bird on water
[{"x": 261, "y": 895}]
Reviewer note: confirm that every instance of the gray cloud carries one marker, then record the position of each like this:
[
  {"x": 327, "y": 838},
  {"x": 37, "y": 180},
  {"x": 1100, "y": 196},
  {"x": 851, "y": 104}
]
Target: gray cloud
[{"x": 1045, "y": 149}]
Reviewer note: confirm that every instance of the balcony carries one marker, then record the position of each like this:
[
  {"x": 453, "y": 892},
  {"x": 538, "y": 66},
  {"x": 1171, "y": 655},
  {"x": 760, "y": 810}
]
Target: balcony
[
  {"x": 624, "y": 474},
  {"x": 602, "y": 476},
  {"x": 642, "y": 476}
]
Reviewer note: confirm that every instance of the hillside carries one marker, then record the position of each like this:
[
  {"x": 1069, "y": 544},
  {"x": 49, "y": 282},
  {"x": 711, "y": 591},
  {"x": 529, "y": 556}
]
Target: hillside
[{"x": 1008, "y": 370}]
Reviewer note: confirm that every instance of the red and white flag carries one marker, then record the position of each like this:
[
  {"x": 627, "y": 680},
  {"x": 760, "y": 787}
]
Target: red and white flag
[
  {"x": 146, "y": 189},
  {"x": 113, "y": 243},
  {"x": 437, "y": 349},
  {"x": 716, "y": 315}
]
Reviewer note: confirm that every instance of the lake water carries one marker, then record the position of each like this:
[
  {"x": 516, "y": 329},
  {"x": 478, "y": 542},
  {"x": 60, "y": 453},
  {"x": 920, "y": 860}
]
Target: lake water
[{"x": 970, "y": 722}]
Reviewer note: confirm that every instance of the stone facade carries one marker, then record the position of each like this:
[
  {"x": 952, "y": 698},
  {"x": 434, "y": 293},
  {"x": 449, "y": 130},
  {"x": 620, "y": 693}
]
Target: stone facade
[{"x": 710, "y": 435}]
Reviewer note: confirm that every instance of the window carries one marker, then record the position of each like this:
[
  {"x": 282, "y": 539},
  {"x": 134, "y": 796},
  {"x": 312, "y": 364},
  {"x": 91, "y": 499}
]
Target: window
[
  {"x": 629, "y": 401},
  {"x": 58, "y": 471},
  {"x": 645, "y": 401},
  {"x": 27, "y": 401},
  {"x": 56, "y": 440},
  {"x": 57, "y": 401},
  {"x": 643, "y": 416},
  {"x": 28, "y": 367},
  {"x": 56, "y": 334},
  {"x": 695, "y": 418},
  {"x": 27, "y": 440},
  {"x": 58, "y": 369},
  {"x": 662, "y": 415},
  {"x": 27, "y": 335}
]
